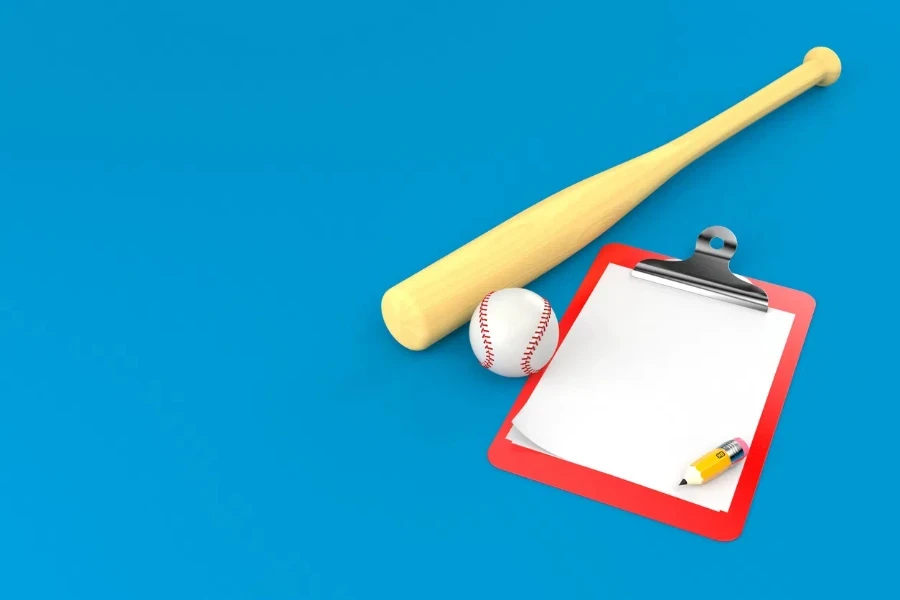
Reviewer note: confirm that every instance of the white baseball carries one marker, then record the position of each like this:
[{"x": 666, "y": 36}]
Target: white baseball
[{"x": 513, "y": 332}]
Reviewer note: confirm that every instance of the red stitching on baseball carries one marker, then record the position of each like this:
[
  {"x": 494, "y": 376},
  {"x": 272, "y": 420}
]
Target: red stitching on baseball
[
  {"x": 536, "y": 339},
  {"x": 488, "y": 361}
]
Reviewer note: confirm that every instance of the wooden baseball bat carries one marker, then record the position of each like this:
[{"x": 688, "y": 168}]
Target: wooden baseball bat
[{"x": 440, "y": 298}]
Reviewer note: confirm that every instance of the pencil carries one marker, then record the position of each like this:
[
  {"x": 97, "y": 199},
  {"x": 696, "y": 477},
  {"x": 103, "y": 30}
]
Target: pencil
[{"x": 715, "y": 462}]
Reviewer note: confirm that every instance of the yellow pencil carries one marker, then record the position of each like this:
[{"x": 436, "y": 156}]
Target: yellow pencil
[{"x": 716, "y": 462}]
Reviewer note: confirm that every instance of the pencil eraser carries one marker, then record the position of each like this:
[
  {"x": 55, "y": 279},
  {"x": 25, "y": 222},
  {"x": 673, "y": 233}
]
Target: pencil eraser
[{"x": 743, "y": 445}]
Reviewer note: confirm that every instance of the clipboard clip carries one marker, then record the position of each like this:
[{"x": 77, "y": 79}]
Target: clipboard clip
[{"x": 707, "y": 272}]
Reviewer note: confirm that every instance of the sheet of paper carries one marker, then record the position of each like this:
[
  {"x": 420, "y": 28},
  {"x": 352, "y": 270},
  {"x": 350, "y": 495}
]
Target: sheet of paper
[
  {"x": 649, "y": 379},
  {"x": 517, "y": 438}
]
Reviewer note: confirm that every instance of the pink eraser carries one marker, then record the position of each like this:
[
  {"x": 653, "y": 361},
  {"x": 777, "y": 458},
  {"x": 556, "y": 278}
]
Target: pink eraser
[{"x": 743, "y": 445}]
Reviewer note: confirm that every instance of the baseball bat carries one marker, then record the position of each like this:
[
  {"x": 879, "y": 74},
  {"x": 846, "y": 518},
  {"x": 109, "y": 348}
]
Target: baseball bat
[{"x": 430, "y": 304}]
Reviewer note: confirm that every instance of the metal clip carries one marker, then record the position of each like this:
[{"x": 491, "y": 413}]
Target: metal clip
[{"x": 707, "y": 272}]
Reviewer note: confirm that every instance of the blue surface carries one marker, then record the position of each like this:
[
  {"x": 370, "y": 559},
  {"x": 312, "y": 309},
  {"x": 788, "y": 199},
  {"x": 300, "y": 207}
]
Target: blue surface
[{"x": 203, "y": 202}]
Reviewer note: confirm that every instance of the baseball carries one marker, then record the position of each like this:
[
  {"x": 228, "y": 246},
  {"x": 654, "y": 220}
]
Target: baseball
[{"x": 513, "y": 332}]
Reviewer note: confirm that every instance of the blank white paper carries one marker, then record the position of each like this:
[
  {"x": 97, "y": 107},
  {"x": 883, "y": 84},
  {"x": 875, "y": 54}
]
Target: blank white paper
[
  {"x": 649, "y": 379},
  {"x": 519, "y": 439}
]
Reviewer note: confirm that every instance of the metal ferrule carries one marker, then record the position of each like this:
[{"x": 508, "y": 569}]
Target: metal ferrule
[{"x": 734, "y": 450}]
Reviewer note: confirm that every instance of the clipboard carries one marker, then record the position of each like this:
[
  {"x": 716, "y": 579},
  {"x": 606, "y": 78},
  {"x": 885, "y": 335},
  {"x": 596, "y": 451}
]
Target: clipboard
[{"x": 703, "y": 278}]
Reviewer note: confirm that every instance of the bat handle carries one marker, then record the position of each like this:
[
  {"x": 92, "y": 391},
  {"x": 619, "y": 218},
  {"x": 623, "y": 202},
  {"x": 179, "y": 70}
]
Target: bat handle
[{"x": 821, "y": 67}]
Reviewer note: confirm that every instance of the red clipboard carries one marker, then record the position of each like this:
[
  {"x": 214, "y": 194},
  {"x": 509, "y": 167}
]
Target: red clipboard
[{"x": 631, "y": 497}]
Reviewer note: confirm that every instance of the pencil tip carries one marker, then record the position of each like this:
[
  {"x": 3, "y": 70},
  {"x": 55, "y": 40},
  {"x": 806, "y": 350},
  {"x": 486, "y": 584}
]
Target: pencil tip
[{"x": 683, "y": 482}]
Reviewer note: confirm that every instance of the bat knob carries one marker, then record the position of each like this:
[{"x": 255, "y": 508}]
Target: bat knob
[{"x": 829, "y": 61}]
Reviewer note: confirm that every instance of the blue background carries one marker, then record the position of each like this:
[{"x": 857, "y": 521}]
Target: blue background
[{"x": 203, "y": 202}]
